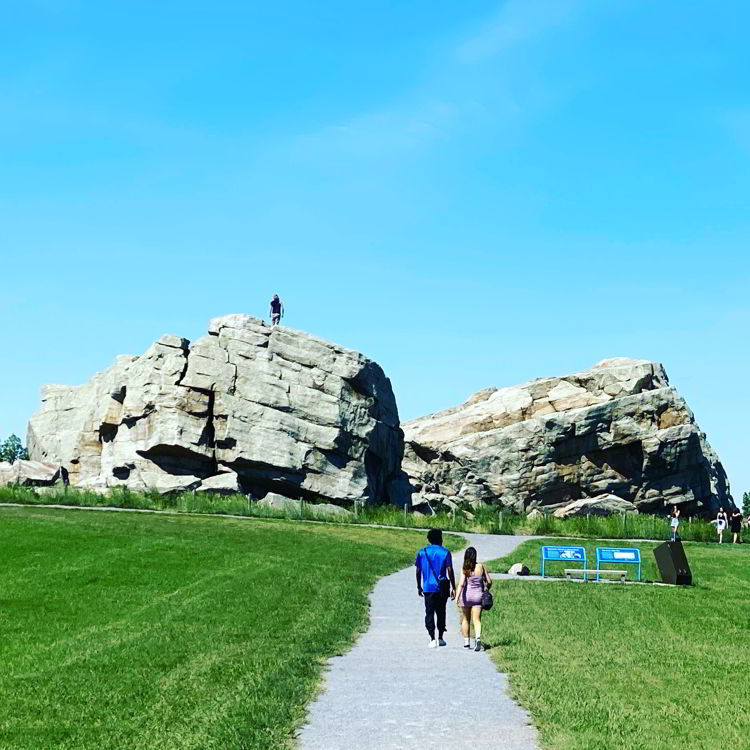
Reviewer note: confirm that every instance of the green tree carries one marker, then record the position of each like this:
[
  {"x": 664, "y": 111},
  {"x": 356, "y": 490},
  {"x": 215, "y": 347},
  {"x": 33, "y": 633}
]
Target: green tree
[
  {"x": 12, "y": 449},
  {"x": 746, "y": 503}
]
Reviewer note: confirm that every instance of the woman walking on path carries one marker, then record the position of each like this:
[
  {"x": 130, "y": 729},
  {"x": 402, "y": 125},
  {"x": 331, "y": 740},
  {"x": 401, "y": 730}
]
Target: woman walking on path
[
  {"x": 474, "y": 578},
  {"x": 674, "y": 521},
  {"x": 735, "y": 526},
  {"x": 721, "y": 524}
]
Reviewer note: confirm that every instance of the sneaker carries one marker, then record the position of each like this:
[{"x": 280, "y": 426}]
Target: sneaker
[
  {"x": 432, "y": 644},
  {"x": 467, "y": 645},
  {"x": 479, "y": 646},
  {"x": 441, "y": 642}
]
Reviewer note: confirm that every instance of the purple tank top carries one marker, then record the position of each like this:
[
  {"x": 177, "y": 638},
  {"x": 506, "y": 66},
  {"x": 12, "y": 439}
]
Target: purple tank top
[{"x": 472, "y": 595}]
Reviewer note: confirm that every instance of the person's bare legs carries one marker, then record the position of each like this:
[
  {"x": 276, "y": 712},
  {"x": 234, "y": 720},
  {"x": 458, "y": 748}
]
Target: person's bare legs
[
  {"x": 476, "y": 620},
  {"x": 734, "y": 537},
  {"x": 465, "y": 615},
  {"x": 721, "y": 537}
]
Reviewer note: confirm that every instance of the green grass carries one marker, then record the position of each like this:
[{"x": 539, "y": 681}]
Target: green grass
[
  {"x": 486, "y": 520},
  {"x": 620, "y": 526},
  {"x": 623, "y": 667},
  {"x": 141, "y": 631}
]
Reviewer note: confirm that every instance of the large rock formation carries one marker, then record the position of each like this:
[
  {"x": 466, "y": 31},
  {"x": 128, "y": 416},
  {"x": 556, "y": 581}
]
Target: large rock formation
[
  {"x": 618, "y": 429},
  {"x": 247, "y": 408}
]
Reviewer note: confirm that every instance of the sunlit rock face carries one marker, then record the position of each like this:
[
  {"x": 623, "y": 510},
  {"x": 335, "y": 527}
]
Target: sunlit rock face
[
  {"x": 616, "y": 429},
  {"x": 246, "y": 408}
]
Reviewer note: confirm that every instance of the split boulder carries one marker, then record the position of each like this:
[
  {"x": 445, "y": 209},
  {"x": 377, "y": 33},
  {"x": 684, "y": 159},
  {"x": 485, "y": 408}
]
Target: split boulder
[{"x": 246, "y": 408}]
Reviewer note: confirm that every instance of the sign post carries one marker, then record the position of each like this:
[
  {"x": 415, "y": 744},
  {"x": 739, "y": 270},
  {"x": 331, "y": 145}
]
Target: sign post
[
  {"x": 618, "y": 555},
  {"x": 564, "y": 554}
]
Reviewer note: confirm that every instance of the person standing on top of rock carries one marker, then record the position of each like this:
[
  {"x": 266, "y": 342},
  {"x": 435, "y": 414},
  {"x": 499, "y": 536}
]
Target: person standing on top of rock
[
  {"x": 435, "y": 568},
  {"x": 276, "y": 310}
]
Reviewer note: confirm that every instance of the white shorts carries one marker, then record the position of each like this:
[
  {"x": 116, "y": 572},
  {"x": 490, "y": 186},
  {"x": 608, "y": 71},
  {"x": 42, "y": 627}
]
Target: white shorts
[{"x": 721, "y": 525}]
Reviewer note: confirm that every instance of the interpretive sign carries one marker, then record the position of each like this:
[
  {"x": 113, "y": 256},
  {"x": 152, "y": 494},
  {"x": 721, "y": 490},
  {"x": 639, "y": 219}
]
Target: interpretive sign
[
  {"x": 552, "y": 553},
  {"x": 618, "y": 555}
]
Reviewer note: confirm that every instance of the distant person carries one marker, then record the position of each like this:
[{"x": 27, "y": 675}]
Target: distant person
[
  {"x": 436, "y": 583},
  {"x": 674, "y": 521},
  {"x": 721, "y": 524},
  {"x": 474, "y": 579},
  {"x": 735, "y": 526},
  {"x": 276, "y": 310}
]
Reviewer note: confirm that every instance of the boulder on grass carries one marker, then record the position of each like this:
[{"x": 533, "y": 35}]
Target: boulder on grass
[
  {"x": 29, "y": 473},
  {"x": 328, "y": 509},
  {"x": 278, "y": 502},
  {"x": 518, "y": 569},
  {"x": 602, "y": 505}
]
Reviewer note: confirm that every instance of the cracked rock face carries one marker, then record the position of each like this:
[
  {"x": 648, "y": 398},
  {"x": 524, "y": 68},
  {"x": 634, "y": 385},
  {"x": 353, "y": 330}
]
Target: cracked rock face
[
  {"x": 247, "y": 408},
  {"x": 616, "y": 429}
]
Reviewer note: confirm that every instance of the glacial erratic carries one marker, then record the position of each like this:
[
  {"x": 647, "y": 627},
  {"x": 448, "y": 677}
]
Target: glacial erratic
[
  {"x": 617, "y": 429},
  {"x": 246, "y": 408}
]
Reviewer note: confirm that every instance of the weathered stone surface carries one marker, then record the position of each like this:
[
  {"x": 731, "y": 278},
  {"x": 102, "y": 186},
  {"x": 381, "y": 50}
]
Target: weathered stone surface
[
  {"x": 168, "y": 484},
  {"x": 221, "y": 484},
  {"x": 322, "y": 510},
  {"x": 279, "y": 502},
  {"x": 282, "y": 410},
  {"x": 616, "y": 428},
  {"x": 601, "y": 505},
  {"x": 29, "y": 473}
]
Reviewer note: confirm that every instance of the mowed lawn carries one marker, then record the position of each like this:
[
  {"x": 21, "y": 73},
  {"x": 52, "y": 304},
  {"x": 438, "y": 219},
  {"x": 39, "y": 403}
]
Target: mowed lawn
[
  {"x": 126, "y": 630},
  {"x": 613, "y": 667}
]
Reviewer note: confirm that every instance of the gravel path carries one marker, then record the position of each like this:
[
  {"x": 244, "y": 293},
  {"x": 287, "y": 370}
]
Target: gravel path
[{"x": 381, "y": 695}]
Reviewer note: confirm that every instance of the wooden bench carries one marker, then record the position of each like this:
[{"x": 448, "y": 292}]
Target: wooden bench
[{"x": 622, "y": 574}]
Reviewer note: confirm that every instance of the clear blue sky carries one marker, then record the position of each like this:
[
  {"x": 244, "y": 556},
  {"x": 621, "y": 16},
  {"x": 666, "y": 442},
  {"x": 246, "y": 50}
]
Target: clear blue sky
[{"x": 473, "y": 194}]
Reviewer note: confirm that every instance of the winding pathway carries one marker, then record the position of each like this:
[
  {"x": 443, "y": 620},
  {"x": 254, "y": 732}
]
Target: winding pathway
[{"x": 390, "y": 692}]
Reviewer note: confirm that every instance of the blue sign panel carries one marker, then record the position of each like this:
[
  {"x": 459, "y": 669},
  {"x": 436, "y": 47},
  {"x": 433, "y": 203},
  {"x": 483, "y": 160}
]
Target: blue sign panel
[
  {"x": 563, "y": 554},
  {"x": 620, "y": 556}
]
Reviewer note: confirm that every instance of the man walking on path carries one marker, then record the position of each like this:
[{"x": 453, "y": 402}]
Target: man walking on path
[
  {"x": 276, "y": 310},
  {"x": 435, "y": 567}
]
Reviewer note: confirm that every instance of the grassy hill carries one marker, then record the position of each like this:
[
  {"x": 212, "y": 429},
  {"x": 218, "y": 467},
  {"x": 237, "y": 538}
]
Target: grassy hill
[
  {"x": 625, "y": 667},
  {"x": 126, "y": 630}
]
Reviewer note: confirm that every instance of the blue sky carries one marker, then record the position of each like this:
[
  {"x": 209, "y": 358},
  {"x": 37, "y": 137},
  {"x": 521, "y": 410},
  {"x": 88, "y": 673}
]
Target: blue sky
[{"x": 473, "y": 194}]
